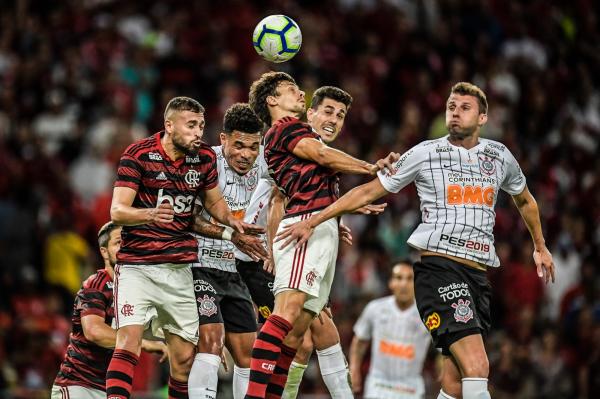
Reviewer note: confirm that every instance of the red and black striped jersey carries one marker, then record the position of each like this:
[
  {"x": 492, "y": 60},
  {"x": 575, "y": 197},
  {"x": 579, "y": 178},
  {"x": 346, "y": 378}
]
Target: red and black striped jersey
[
  {"x": 147, "y": 169},
  {"x": 308, "y": 185},
  {"x": 85, "y": 363}
]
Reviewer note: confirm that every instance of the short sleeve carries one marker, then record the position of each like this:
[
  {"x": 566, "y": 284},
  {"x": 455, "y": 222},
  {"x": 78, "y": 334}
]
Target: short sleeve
[
  {"x": 406, "y": 170},
  {"x": 129, "y": 173},
  {"x": 292, "y": 134},
  {"x": 514, "y": 180},
  {"x": 363, "y": 327},
  {"x": 92, "y": 302}
]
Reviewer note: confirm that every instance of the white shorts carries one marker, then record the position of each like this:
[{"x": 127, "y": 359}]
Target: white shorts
[
  {"x": 162, "y": 294},
  {"x": 311, "y": 267},
  {"x": 407, "y": 388},
  {"x": 76, "y": 392}
]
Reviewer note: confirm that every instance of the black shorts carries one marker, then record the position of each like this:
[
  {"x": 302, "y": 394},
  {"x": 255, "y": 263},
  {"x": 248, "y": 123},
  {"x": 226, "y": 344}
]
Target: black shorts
[
  {"x": 260, "y": 284},
  {"x": 223, "y": 298},
  {"x": 453, "y": 300}
]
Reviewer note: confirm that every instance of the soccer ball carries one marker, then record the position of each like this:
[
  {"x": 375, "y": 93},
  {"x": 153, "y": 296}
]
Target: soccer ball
[{"x": 277, "y": 38}]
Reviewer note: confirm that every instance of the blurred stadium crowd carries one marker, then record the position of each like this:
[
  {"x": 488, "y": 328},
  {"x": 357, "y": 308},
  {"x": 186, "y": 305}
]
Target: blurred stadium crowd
[{"x": 81, "y": 79}]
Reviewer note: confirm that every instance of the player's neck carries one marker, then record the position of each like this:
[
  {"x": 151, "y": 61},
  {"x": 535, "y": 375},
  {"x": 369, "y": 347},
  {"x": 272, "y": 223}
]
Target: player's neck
[
  {"x": 467, "y": 142},
  {"x": 170, "y": 148},
  {"x": 277, "y": 114},
  {"x": 110, "y": 270},
  {"x": 403, "y": 305}
]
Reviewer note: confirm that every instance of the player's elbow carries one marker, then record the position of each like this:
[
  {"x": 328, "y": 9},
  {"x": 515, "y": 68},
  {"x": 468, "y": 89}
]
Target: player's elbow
[{"x": 92, "y": 333}]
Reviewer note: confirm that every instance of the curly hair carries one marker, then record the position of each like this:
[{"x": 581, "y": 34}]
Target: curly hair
[
  {"x": 261, "y": 89},
  {"x": 335, "y": 93},
  {"x": 240, "y": 117},
  {"x": 469, "y": 89},
  {"x": 183, "y": 104}
]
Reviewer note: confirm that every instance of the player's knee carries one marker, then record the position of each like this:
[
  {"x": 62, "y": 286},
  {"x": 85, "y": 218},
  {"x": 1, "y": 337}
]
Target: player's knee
[
  {"x": 130, "y": 339},
  {"x": 211, "y": 341},
  {"x": 304, "y": 351},
  {"x": 476, "y": 366},
  {"x": 181, "y": 362}
]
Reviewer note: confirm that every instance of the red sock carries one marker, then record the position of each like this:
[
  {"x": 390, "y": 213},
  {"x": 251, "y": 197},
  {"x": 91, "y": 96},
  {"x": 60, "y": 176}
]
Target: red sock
[
  {"x": 119, "y": 376},
  {"x": 279, "y": 378},
  {"x": 265, "y": 354},
  {"x": 177, "y": 389}
]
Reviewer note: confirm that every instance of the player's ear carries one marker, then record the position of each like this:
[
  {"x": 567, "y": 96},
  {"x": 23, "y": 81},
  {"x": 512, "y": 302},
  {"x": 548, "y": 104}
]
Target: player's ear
[
  {"x": 104, "y": 253},
  {"x": 309, "y": 114},
  {"x": 272, "y": 101},
  {"x": 483, "y": 119},
  {"x": 168, "y": 125},
  {"x": 223, "y": 137}
]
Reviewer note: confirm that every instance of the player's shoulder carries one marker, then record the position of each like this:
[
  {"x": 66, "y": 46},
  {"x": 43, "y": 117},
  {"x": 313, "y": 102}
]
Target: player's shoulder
[
  {"x": 218, "y": 149},
  {"x": 379, "y": 303},
  {"x": 289, "y": 125},
  {"x": 206, "y": 152},
  {"x": 99, "y": 281},
  {"x": 147, "y": 145}
]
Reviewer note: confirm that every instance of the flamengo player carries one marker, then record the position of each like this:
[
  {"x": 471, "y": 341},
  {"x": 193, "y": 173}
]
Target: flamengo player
[
  {"x": 399, "y": 342},
  {"x": 82, "y": 374},
  {"x": 158, "y": 179},
  {"x": 458, "y": 178},
  {"x": 305, "y": 169},
  {"x": 224, "y": 303}
]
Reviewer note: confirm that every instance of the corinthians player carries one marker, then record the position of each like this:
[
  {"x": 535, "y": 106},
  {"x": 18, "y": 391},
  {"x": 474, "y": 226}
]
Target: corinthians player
[
  {"x": 225, "y": 308},
  {"x": 458, "y": 178}
]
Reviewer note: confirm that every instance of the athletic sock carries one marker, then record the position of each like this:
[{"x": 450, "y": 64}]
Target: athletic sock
[
  {"x": 444, "y": 395},
  {"x": 178, "y": 389},
  {"x": 241, "y": 377},
  {"x": 277, "y": 383},
  {"x": 293, "y": 381},
  {"x": 475, "y": 388},
  {"x": 203, "y": 379},
  {"x": 265, "y": 353},
  {"x": 119, "y": 375},
  {"x": 334, "y": 370}
]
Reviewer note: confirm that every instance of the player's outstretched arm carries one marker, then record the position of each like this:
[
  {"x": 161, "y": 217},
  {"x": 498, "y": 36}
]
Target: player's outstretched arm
[
  {"x": 316, "y": 151},
  {"x": 354, "y": 199},
  {"x": 274, "y": 215},
  {"x": 358, "y": 349},
  {"x": 529, "y": 211},
  {"x": 217, "y": 207},
  {"x": 123, "y": 213}
]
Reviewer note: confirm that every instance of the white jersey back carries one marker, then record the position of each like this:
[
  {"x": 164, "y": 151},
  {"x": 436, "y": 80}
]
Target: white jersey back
[
  {"x": 257, "y": 211},
  {"x": 458, "y": 189},
  {"x": 399, "y": 345},
  {"x": 237, "y": 191}
]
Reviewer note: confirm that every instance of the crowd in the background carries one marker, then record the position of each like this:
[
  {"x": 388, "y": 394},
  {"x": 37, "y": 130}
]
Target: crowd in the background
[{"x": 80, "y": 80}]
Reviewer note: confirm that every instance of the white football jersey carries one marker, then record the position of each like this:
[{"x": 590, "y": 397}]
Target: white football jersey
[
  {"x": 399, "y": 344},
  {"x": 237, "y": 191},
  {"x": 458, "y": 189}
]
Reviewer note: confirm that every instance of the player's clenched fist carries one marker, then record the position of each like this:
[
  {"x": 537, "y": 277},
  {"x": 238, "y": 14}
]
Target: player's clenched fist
[{"x": 164, "y": 213}]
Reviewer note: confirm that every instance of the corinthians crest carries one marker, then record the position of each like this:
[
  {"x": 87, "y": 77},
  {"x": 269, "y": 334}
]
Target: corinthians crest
[
  {"x": 462, "y": 311},
  {"x": 207, "y": 306},
  {"x": 487, "y": 165}
]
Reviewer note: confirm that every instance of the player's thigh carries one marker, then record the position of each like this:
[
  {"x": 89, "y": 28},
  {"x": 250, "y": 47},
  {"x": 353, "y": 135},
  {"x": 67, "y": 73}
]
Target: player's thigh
[
  {"x": 260, "y": 285},
  {"x": 76, "y": 392},
  {"x": 236, "y": 306},
  {"x": 471, "y": 358},
  {"x": 208, "y": 290},
  {"x": 133, "y": 290},
  {"x": 240, "y": 346},
  {"x": 324, "y": 332}
]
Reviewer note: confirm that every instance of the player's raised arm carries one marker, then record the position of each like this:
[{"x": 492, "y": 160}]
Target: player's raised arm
[
  {"x": 215, "y": 204},
  {"x": 123, "y": 213},
  {"x": 349, "y": 202},
  {"x": 529, "y": 211}
]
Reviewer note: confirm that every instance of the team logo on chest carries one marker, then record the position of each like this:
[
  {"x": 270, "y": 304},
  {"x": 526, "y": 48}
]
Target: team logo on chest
[
  {"x": 487, "y": 165},
  {"x": 251, "y": 180},
  {"x": 192, "y": 178},
  {"x": 462, "y": 311}
]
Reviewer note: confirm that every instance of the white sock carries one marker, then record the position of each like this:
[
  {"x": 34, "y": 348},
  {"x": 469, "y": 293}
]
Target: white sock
[
  {"x": 241, "y": 377},
  {"x": 292, "y": 385},
  {"x": 203, "y": 379},
  {"x": 334, "y": 370},
  {"x": 475, "y": 388},
  {"x": 444, "y": 395}
]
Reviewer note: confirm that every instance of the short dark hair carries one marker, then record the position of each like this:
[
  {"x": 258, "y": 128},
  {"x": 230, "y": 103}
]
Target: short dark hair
[
  {"x": 104, "y": 234},
  {"x": 335, "y": 93},
  {"x": 406, "y": 262},
  {"x": 469, "y": 89},
  {"x": 240, "y": 117},
  {"x": 183, "y": 104},
  {"x": 262, "y": 88}
]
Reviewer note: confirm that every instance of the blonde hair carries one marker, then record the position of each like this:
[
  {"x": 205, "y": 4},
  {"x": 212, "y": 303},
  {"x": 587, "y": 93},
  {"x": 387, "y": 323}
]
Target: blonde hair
[{"x": 469, "y": 89}]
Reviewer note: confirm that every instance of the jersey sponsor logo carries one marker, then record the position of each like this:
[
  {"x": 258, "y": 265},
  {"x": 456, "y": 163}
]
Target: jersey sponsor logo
[
  {"x": 397, "y": 350},
  {"x": 457, "y": 177},
  {"x": 487, "y": 165},
  {"x": 192, "y": 178},
  {"x": 462, "y": 312},
  {"x": 207, "y": 306},
  {"x": 491, "y": 152},
  {"x": 154, "y": 156},
  {"x": 268, "y": 366},
  {"x": 433, "y": 321},
  {"x": 195, "y": 159},
  {"x": 180, "y": 203},
  {"x": 161, "y": 176},
  {"x": 470, "y": 195},
  {"x": 109, "y": 285},
  {"x": 264, "y": 311},
  {"x": 499, "y": 147},
  {"x": 203, "y": 285},
  {"x": 127, "y": 310},
  {"x": 453, "y": 291},
  {"x": 444, "y": 149},
  {"x": 217, "y": 254},
  {"x": 467, "y": 244}
]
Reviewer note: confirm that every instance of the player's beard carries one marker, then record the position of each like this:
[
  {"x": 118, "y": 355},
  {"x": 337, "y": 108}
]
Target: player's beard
[
  {"x": 181, "y": 147},
  {"x": 461, "y": 133}
]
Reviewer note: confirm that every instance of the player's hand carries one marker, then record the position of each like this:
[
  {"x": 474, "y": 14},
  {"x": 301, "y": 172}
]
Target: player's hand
[
  {"x": 224, "y": 361},
  {"x": 327, "y": 312},
  {"x": 269, "y": 265},
  {"x": 157, "y": 347},
  {"x": 371, "y": 209},
  {"x": 544, "y": 263},
  {"x": 345, "y": 234},
  {"x": 163, "y": 213},
  {"x": 250, "y": 245},
  {"x": 242, "y": 227},
  {"x": 356, "y": 380},
  {"x": 298, "y": 232},
  {"x": 386, "y": 164}
]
